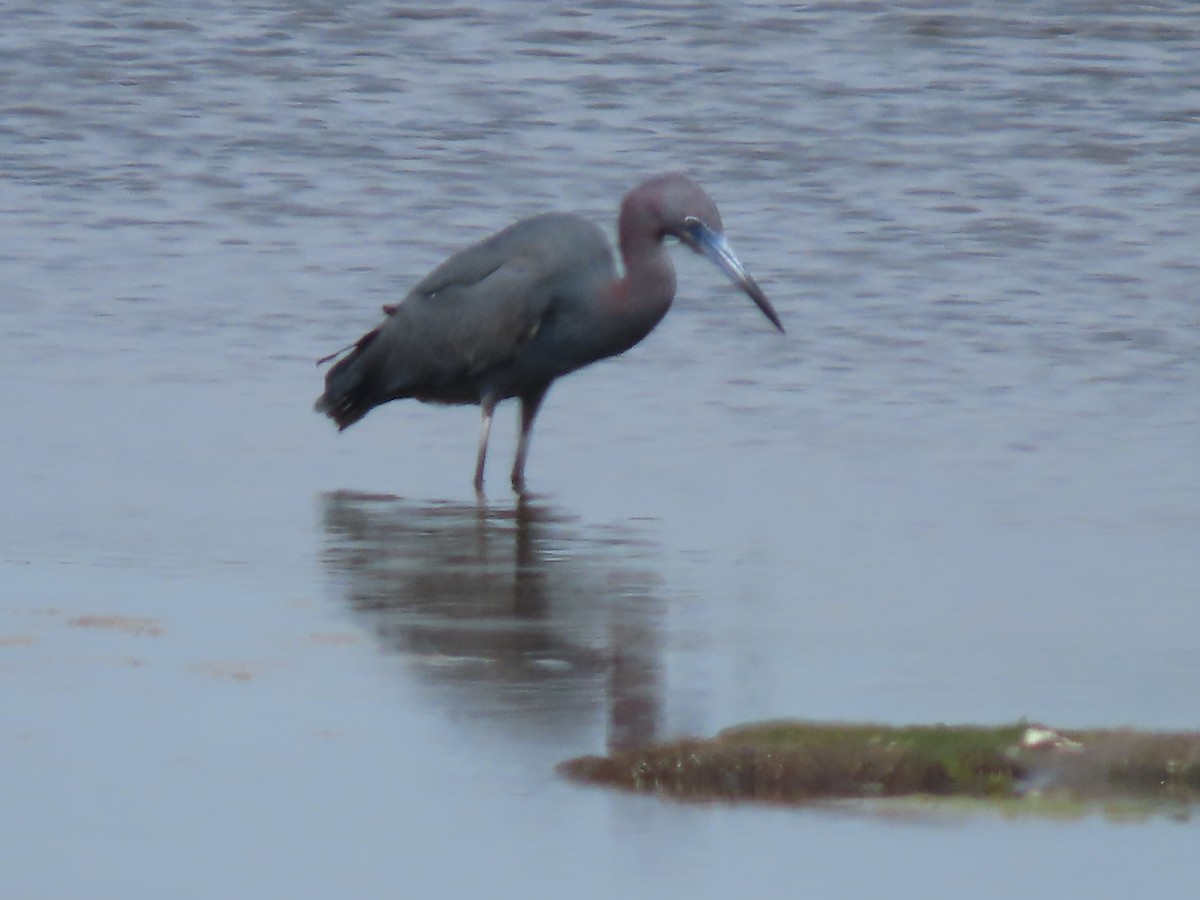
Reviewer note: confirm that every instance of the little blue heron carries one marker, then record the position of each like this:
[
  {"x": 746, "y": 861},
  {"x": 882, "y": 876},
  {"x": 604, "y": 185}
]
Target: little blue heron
[{"x": 505, "y": 317}]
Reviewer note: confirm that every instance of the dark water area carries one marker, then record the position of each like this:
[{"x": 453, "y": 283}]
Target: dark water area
[
  {"x": 241, "y": 654},
  {"x": 525, "y": 618}
]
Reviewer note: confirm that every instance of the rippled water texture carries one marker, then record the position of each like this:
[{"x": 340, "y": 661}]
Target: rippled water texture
[{"x": 242, "y": 655}]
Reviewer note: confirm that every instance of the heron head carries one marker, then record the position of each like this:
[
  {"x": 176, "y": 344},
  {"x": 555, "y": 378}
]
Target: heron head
[
  {"x": 674, "y": 205},
  {"x": 711, "y": 243}
]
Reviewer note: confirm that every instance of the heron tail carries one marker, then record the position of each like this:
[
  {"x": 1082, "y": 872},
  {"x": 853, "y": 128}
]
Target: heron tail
[{"x": 349, "y": 386}]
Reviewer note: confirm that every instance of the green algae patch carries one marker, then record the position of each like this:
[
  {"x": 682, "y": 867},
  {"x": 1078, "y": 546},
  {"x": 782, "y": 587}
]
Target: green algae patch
[{"x": 798, "y": 762}]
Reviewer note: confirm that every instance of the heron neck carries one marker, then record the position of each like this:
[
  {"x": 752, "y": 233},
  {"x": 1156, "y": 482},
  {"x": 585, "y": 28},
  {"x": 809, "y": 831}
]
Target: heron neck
[
  {"x": 649, "y": 284},
  {"x": 649, "y": 281}
]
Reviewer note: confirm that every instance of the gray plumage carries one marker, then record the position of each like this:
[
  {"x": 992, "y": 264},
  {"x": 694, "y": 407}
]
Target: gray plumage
[{"x": 507, "y": 316}]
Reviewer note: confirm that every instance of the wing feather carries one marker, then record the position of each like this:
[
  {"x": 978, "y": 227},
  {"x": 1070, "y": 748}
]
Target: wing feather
[
  {"x": 450, "y": 329},
  {"x": 482, "y": 307}
]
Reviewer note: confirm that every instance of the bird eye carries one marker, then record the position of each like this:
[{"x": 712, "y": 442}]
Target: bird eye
[{"x": 694, "y": 228}]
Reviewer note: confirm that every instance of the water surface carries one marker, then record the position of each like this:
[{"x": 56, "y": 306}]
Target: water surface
[{"x": 241, "y": 654}]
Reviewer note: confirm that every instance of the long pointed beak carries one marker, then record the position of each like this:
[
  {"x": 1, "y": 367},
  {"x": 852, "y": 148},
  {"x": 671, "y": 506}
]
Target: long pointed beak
[{"x": 709, "y": 243}]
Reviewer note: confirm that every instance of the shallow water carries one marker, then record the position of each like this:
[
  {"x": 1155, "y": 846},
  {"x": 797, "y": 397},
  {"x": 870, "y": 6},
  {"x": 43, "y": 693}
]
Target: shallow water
[{"x": 241, "y": 654}]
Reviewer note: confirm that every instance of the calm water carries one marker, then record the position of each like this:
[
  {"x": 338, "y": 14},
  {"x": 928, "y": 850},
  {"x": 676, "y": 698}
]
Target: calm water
[{"x": 241, "y": 655}]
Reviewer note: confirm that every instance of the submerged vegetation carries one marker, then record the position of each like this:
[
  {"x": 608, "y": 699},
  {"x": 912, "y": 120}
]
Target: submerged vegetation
[{"x": 798, "y": 762}]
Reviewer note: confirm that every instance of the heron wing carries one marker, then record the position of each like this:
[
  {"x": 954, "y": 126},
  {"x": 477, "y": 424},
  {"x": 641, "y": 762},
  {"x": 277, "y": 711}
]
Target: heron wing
[
  {"x": 481, "y": 307},
  {"x": 465, "y": 318}
]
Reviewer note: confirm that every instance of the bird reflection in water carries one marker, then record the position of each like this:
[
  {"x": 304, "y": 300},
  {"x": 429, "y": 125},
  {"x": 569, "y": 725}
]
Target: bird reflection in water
[{"x": 521, "y": 613}]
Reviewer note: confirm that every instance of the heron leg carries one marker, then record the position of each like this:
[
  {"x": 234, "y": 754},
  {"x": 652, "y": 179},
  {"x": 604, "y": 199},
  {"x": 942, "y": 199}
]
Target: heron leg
[
  {"x": 487, "y": 407},
  {"x": 530, "y": 404}
]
